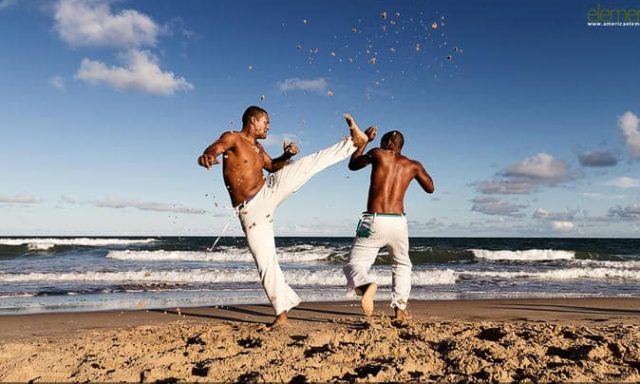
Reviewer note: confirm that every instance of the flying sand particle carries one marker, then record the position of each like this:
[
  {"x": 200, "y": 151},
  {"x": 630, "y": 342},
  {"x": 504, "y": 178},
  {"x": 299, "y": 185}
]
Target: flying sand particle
[
  {"x": 434, "y": 25},
  {"x": 383, "y": 15},
  {"x": 262, "y": 98},
  {"x": 372, "y": 60},
  {"x": 329, "y": 93}
]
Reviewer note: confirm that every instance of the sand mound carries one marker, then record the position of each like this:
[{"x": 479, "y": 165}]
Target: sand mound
[{"x": 379, "y": 349}]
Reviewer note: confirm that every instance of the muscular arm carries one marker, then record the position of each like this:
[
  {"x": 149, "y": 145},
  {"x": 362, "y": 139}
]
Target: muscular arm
[
  {"x": 274, "y": 165},
  {"x": 423, "y": 178},
  {"x": 359, "y": 159},
  {"x": 218, "y": 147}
]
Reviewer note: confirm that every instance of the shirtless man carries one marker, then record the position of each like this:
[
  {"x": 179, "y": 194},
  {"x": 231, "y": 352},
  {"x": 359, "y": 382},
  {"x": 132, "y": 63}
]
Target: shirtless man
[
  {"x": 384, "y": 223},
  {"x": 256, "y": 197}
]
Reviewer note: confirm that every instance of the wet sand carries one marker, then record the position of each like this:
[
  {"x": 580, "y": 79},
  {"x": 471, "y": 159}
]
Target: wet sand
[{"x": 592, "y": 339}]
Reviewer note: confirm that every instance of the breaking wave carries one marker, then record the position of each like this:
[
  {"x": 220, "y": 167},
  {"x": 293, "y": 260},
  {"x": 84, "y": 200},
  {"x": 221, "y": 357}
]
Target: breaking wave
[
  {"x": 198, "y": 276},
  {"x": 48, "y": 243},
  {"x": 526, "y": 255}
]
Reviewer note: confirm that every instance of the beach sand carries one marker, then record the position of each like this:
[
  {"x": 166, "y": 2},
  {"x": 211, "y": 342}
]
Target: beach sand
[{"x": 578, "y": 340}]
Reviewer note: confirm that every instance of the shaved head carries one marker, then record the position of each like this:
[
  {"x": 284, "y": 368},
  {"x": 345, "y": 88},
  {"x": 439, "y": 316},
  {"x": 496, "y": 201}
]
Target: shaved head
[{"x": 392, "y": 140}]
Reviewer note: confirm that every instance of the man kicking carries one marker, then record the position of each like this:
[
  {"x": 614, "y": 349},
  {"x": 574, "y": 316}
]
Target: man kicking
[
  {"x": 255, "y": 197},
  {"x": 384, "y": 223}
]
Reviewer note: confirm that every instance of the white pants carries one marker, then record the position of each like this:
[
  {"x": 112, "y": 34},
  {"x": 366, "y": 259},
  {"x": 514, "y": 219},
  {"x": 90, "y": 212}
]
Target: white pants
[
  {"x": 375, "y": 231},
  {"x": 256, "y": 217}
]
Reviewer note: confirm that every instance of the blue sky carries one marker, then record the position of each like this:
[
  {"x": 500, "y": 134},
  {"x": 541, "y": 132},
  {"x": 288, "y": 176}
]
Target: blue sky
[{"x": 525, "y": 116}]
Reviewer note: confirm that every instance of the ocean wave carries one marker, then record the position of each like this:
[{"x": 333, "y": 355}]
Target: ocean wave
[
  {"x": 48, "y": 243},
  {"x": 626, "y": 264},
  {"x": 291, "y": 254},
  {"x": 558, "y": 274},
  {"x": 526, "y": 255},
  {"x": 198, "y": 276},
  {"x": 13, "y": 295}
]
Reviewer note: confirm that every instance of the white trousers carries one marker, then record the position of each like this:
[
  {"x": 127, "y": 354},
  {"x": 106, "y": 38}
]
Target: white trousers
[
  {"x": 256, "y": 217},
  {"x": 375, "y": 231}
]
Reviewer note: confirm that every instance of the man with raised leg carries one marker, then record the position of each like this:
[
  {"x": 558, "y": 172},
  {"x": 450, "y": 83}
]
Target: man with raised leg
[
  {"x": 255, "y": 197},
  {"x": 384, "y": 223}
]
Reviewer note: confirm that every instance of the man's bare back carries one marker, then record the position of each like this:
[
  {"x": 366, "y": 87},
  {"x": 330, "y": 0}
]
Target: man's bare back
[{"x": 391, "y": 173}]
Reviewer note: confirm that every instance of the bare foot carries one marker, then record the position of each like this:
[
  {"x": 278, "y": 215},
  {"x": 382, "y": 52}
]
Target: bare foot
[
  {"x": 358, "y": 137},
  {"x": 280, "y": 321},
  {"x": 402, "y": 314},
  {"x": 367, "y": 299}
]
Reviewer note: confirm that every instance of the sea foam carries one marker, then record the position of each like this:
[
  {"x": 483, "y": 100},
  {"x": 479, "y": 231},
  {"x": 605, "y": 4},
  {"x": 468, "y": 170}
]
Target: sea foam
[
  {"x": 285, "y": 255},
  {"x": 47, "y": 243},
  {"x": 526, "y": 255},
  {"x": 558, "y": 274},
  {"x": 331, "y": 277}
]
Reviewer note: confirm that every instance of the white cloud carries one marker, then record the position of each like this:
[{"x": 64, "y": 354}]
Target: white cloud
[
  {"x": 141, "y": 74},
  {"x": 91, "y": 23},
  {"x": 561, "y": 226},
  {"x": 58, "y": 83},
  {"x": 630, "y": 212},
  {"x": 540, "y": 166},
  {"x": 145, "y": 206},
  {"x": 493, "y": 206},
  {"x": 525, "y": 176},
  {"x": 4, "y": 4},
  {"x": 607, "y": 196},
  {"x": 543, "y": 214},
  {"x": 506, "y": 186},
  {"x": 629, "y": 125},
  {"x": 624, "y": 182},
  {"x": 296, "y": 84},
  {"x": 18, "y": 199}
]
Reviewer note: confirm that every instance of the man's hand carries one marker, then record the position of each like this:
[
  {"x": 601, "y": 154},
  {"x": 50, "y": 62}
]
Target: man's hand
[
  {"x": 290, "y": 148},
  {"x": 371, "y": 133},
  {"x": 207, "y": 161}
]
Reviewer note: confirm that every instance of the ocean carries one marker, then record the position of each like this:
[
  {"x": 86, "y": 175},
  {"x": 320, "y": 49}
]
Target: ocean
[{"x": 66, "y": 274}]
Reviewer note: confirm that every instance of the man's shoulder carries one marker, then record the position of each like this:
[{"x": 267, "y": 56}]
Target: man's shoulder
[
  {"x": 230, "y": 134},
  {"x": 375, "y": 151}
]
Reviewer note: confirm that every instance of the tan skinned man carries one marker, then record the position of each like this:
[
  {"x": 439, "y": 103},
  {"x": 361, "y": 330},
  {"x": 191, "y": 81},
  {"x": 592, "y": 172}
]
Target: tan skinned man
[
  {"x": 384, "y": 223},
  {"x": 256, "y": 197}
]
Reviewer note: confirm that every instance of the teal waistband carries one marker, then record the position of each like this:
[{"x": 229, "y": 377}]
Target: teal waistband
[{"x": 383, "y": 214}]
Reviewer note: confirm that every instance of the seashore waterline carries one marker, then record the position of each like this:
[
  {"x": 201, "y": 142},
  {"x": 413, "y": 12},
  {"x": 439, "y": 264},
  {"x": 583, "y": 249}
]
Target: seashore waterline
[{"x": 67, "y": 274}]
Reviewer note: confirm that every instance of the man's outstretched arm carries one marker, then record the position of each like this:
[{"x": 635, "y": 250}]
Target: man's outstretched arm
[
  {"x": 359, "y": 159},
  {"x": 423, "y": 178},
  {"x": 274, "y": 165},
  {"x": 218, "y": 147}
]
